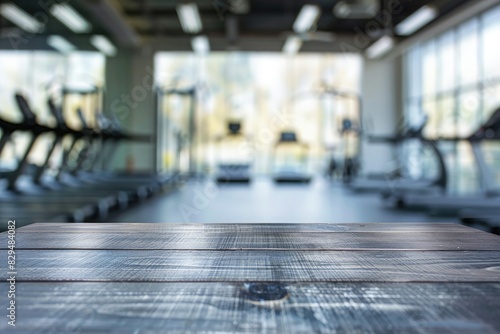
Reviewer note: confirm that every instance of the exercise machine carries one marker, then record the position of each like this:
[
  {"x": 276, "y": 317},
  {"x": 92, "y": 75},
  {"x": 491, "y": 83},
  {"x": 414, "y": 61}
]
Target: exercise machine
[
  {"x": 234, "y": 160},
  {"x": 88, "y": 195},
  {"x": 176, "y": 131},
  {"x": 290, "y": 159},
  {"x": 42, "y": 204},
  {"x": 350, "y": 167},
  {"x": 452, "y": 205},
  {"x": 398, "y": 181}
]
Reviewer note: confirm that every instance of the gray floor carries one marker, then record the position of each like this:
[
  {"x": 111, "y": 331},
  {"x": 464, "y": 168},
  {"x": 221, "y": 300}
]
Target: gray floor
[{"x": 264, "y": 202}]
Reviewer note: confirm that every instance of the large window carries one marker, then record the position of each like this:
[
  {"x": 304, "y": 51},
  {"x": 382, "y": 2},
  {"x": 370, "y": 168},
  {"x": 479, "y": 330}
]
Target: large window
[
  {"x": 454, "y": 79},
  {"x": 269, "y": 93}
]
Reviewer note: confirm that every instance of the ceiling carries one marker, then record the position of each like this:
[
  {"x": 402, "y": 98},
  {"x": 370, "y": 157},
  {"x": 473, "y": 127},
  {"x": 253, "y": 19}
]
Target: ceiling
[{"x": 262, "y": 26}]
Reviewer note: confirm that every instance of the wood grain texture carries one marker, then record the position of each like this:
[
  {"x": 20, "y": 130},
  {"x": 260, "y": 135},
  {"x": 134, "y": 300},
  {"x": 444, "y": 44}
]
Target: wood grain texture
[
  {"x": 117, "y": 228},
  {"x": 256, "y": 265},
  {"x": 427, "y": 241},
  {"x": 225, "y": 308},
  {"x": 347, "y": 278}
]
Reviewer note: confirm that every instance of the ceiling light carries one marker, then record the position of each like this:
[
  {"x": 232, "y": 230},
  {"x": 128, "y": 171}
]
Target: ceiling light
[
  {"x": 239, "y": 6},
  {"x": 307, "y": 18},
  {"x": 103, "y": 44},
  {"x": 356, "y": 9},
  {"x": 417, "y": 20},
  {"x": 319, "y": 36},
  {"x": 380, "y": 48},
  {"x": 20, "y": 18},
  {"x": 200, "y": 44},
  {"x": 342, "y": 10},
  {"x": 70, "y": 18},
  {"x": 292, "y": 45},
  {"x": 60, "y": 44},
  {"x": 189, "y": 18}
]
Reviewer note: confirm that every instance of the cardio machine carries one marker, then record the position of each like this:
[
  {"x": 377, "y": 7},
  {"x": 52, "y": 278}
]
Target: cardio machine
[
  {"x": 395, "y": 182},
  {"x": 32, "y": 198},
  {"x": 290, "y": 159},
  {"x": 234, "y": 159},
  {"x": 451, "y": 205},
  {"x": 42, "y": 204}
]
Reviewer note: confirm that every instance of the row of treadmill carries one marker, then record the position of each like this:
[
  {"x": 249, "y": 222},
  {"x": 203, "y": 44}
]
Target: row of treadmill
[
  {"x": 235, "y": 160},
  {"x": 79, "y": 188},
  {"x": 480, "y": 210}
]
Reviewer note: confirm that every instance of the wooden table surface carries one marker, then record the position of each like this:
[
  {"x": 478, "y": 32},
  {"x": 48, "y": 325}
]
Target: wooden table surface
[{"x": 173, "y": 278}]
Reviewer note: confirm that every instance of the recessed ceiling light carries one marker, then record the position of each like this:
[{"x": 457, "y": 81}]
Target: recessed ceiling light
[
  {"x": 239, "y": 6},
  {"x": 70, "y": 18},
  {"x": 380, "y": 48},
  {"x": 20, "y": 18},
  {"x": 417, "y": 20},
  {"x": 200, "y": 44},
  {"x": 60, "y": 44},
  {"x": 189, "y": 18},
  {"x": 307, "y": 18},
  {"x": 356, "y": 9},
  {"x": 103, "y": 44},
  {"x": 292, "y": 45}
]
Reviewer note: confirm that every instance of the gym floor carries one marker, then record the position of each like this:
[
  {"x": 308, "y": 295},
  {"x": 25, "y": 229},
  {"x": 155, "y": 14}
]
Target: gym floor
[{"x": 262, "y": 201}]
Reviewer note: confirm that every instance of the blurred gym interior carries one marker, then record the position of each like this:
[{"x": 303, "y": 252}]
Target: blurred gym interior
[{"x": 250, "y": 111}]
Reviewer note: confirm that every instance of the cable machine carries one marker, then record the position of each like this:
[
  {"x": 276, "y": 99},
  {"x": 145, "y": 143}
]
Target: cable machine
[
  {"x": 176, "y": 129},
  {"x": 349, "y": 128}
]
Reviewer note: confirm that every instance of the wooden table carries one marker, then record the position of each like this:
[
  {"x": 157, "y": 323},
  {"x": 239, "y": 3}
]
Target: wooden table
[{"x": 348, "y": 278}]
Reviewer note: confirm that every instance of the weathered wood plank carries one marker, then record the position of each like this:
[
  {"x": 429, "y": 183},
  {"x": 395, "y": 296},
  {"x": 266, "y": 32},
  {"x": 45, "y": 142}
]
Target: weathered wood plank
[
  {"x": 216, "y": 291},
  {"x": 270, "y": 241},
  {"x": 227, "y": 308},
  {"x": 256, "y": 265},
  {"x": 241, "y": 228}
]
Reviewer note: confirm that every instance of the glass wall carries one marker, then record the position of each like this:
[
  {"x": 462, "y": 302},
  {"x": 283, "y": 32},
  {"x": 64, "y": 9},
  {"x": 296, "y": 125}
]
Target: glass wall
[
  {"x": 454, "y": 79},
  {"x": 38, "y": 75},
  {"x": 268, "y": 93}
]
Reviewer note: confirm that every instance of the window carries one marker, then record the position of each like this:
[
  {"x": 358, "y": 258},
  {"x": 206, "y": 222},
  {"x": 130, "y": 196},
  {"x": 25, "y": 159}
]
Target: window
[
  {"x": 490, "y": 45},
  {"x": 268, "y": 92},
  {"x": 468, "y": 53},
  {"x": 455, "y": 80}
]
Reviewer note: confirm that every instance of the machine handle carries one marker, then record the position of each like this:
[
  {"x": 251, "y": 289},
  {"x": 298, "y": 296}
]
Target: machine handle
[{"x": 25, "y": 109}]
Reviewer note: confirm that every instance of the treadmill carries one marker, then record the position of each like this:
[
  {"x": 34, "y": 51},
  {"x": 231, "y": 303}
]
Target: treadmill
[
  {"x": 30, "y": 199},
  {"x": 290, "y": 160},
  {"x": 10, "y": 208},
  {"x": 393, "y": 183},
  {"x": 234, "y": 165},
  {"x": 130, "y": 188},
  {"x": 489, "y": 198},
  {"x": 104, "y": 140},
  {"x": 113, "y": 135},
  {"x": 42, "y": 204}
]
